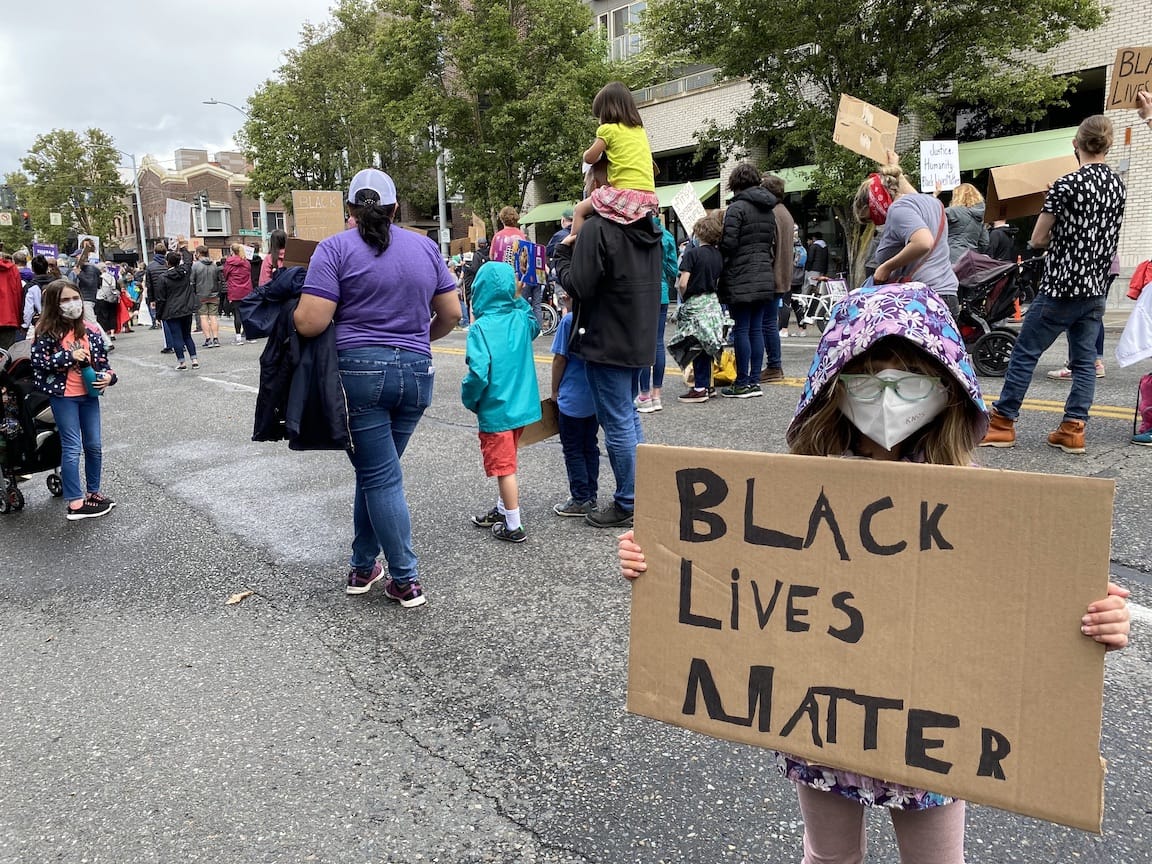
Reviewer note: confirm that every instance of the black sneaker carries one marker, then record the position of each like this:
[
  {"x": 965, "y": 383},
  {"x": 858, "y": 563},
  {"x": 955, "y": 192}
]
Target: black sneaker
[
  {"x": 572, "y": 507},
  {"x": 167, "y": 351},
  {"x": 360, "y": 581},
  {"x": 89, "y": 510},
  {"x": 101, "y": 499},
  {"x": 500, "y": 532},
  {"x": 741, "y": 391},
  {"x": 487, "y": 520},
  {"x": 407, "y": 594},
  {"x": 612, "y": 516}
]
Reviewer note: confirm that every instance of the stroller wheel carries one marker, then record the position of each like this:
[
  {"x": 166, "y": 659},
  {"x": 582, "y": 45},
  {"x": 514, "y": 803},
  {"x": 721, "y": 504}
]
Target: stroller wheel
[
  {"x": 15, "y": 498},
  {"x": 55, "y": 485},
  {"x": 992, "y": 351}
]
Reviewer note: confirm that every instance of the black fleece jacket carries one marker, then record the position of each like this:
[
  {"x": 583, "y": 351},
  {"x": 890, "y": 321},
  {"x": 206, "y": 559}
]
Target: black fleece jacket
[{"x": 613, "y": 276}]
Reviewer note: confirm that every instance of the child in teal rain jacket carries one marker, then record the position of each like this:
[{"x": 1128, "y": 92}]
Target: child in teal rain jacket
[{"x": 500, "y": 387}]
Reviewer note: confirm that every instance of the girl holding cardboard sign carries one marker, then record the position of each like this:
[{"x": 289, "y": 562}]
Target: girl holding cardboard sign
[{"x": 890, "y": 381}]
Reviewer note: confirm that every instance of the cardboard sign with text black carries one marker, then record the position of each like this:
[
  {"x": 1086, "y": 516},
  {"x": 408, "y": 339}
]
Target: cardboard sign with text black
[
  {"x": 916, "y": 623},
  {"x": 1131, "y": 73}
]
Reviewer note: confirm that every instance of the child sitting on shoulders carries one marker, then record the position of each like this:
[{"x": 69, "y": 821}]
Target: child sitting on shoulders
[
  {"x": 500, "y": 387},
  {"x": 578, "y": 424},
  {"x": 630, "y": 192}
]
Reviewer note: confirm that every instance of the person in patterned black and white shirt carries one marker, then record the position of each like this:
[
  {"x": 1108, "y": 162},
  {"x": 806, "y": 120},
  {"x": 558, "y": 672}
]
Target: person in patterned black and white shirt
[{"x": 1080, "y": 227}]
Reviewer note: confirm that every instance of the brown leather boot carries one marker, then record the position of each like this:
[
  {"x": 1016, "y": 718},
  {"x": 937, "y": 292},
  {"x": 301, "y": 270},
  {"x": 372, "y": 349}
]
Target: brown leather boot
[
  {"x": 1069, "y": 436},
  {"x": 771, "y": 374},
  {"x": 1001, "y": 431}
]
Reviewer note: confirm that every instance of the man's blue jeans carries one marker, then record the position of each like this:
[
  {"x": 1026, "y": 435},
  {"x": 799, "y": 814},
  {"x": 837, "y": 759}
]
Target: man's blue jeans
[
  {"x": 613, "y": 389},
  {"x": 78, "y": 424},
  {"x": 748, "y": 341},
  {"x": 387, "y": 391},
  {"x": 1046, "y": 320}
]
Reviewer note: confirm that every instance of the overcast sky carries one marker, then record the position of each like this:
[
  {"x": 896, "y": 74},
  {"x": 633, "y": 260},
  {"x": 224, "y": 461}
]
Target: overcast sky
[{"x": 140, "y": 70}]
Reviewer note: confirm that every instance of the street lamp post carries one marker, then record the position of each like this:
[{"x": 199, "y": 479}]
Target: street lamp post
[
  {"x": 263, "y": 202},
  {"x": 140, "y": 239}
]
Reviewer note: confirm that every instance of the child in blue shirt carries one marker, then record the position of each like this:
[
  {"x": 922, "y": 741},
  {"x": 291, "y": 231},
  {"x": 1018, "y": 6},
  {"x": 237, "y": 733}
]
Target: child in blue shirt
[
  {"x": 500, "y": 387},
  {"x": 578, "y": 424}
]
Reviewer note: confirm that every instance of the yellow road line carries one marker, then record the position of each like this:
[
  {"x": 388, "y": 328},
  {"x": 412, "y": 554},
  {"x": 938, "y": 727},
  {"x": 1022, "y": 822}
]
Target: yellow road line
[{"x": 1046, "y": 406}]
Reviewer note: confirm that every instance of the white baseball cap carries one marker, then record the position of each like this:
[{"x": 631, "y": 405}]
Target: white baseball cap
[{"x": 372, "y": 186}]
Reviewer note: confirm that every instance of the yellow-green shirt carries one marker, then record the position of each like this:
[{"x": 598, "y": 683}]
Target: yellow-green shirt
[{"x": 629, "y": 157}]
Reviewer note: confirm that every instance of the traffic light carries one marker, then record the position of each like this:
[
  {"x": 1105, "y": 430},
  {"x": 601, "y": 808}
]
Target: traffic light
[{"x": 25, "y": 220}]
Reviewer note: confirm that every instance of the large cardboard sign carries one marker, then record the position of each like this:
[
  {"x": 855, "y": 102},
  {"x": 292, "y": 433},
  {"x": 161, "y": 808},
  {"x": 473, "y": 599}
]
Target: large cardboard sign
[
  {"x": 1019, "y": 190},
  {"x": 689, "y": 210},
  {"x": 916, "y": 623},
  {"x": 865, "y": 129},
  {"x": 317, "y": 214},
  {"x": 939, "y": 163},
  {"x": 1131, "y": 73},
  {"x": 177, "y": 220}
]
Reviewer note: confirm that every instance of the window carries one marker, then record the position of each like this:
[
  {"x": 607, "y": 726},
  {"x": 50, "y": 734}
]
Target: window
[
  {"x": 212, "y": 221},
  {"x": 623, "y": 35},
  {"x": 276, "y": 220}
]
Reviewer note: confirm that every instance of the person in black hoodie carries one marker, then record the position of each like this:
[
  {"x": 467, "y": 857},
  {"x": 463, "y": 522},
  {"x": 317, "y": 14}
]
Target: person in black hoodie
[
  {"x": 1002, "y": 241},
  {"x": 613, "y": 276},
  {"x": 175, "y": 303},
  {"x": 748, "y": 281}
]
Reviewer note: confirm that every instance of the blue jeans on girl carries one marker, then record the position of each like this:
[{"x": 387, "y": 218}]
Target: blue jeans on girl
[
  {"x": 387, "y": 391},
  {"x": 178, "y": 332},
  {"x": 581, "y": 456},
  {"x": 654, "y": 378},
  {"x": 78, "y": 422},
  {"x": 748, "y": 340}
]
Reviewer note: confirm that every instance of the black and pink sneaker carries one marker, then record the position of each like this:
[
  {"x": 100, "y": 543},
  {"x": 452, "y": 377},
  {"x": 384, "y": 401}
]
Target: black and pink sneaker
[
  {"x": 407, "y": 594},
  {"x": 359, "y": 581},
  {"x": 100, "y": 499}
]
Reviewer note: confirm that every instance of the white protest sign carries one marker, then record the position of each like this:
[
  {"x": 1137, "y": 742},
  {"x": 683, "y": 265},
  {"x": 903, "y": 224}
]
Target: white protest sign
[
  {"x": 688, "y": 208},
  {"x": 177, "y": 219},
  {"x": 939, "y": 163}
]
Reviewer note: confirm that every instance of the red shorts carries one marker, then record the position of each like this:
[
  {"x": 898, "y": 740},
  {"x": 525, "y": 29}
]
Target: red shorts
[{"x": 499, "y": 452}]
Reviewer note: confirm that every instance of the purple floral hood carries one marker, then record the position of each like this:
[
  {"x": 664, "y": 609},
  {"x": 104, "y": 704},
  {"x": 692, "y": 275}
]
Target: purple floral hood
[{"x": 909, "y": 310}]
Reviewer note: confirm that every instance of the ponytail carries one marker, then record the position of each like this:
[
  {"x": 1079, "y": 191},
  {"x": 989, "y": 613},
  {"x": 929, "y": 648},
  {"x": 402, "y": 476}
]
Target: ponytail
[{"x": 374, "y": 222}]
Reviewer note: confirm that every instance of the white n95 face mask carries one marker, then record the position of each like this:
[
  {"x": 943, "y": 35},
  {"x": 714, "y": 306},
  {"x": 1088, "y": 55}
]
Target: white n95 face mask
[
  {"x": 891, "y": 405},
  {"x": 72, "y": 309}
]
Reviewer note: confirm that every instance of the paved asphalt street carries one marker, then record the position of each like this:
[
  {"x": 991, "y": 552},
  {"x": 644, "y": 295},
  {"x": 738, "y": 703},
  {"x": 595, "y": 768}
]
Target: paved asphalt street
[{"x": 143, "y": 720}]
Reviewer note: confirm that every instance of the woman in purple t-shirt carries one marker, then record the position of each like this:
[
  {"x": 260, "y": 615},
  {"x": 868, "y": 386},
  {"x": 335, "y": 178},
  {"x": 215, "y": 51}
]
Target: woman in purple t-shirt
[{"x": 388, "y": 293}]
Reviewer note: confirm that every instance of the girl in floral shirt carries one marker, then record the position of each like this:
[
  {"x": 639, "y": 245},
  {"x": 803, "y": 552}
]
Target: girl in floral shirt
[{"x": 890, "y": 381}]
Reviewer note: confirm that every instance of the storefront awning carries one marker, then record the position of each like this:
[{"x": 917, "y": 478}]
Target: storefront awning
[
  {"x": 798, "y": 179},
  {"x": 1014, "y": 149},
  {"x": 550, "y": 212}
]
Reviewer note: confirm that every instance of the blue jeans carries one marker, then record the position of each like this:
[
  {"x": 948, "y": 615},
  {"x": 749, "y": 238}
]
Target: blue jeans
[
  {"x": 581, "y": 456},
  {"x": 771, "y": 331},
  {"x": 1046, "y": 320},
  {"x": 654, "y": 378},
  {"x": 78, "y": 422},
  {"x": 178, "y": 334},
  {"x": 387, "y": 391},
  {"x": 613, "y": 389},
  {"x": 748, "y": 340},
  {"x": 702, "y": 371},
  {"x": 534, "y": 294}
]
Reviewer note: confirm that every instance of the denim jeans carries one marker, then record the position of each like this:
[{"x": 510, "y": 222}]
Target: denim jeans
[
  {"x": 1046, "y": 320},
  {"x": 654, "y": 378},
  {"x": 748, "y": 340},
  {"x": 771, "y": 331},
  {"x": 702, "y": 371},
  {"x": 581, "y": 456},
  {"x": 387, "y": 391},
  {"x": 178, "y": 334},
  {"x": 534, "y": 294},
  {"x": 613, "y": 389},
  {"x": 78, "y": 422}
]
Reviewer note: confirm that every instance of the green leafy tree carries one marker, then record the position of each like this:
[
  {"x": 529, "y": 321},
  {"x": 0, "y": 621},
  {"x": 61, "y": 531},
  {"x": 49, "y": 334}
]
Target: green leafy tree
[
  {"x": 503, "y": 86},
  {"x": 13, "y": 237},
  {"x": 911, "y": 58},
  {"x": 75, "y": 175}
]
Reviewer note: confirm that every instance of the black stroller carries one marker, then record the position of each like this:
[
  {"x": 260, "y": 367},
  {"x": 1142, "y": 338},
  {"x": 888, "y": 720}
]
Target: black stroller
[
  {"x": 29, "y": 442},
  {"x": 990, "y": 291}
]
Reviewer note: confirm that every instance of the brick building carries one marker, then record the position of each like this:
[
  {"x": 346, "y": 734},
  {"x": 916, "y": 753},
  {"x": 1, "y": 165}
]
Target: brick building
[{"x": 232, "y": 215}]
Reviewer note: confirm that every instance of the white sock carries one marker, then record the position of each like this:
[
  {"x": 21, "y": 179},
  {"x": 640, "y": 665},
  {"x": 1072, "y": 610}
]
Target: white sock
[
  {"x": 500, "y": 507},
  {"x": 512, "y": 519}
]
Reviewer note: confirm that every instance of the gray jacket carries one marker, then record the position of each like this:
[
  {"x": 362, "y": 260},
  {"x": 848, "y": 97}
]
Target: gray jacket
[
  {"x": 966, "y": 230},
  {"x": 203, "y": 279}
]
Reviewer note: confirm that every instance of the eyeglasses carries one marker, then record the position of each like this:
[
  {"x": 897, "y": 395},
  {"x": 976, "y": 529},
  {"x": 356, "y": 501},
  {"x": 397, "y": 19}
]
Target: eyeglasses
[{"x": 910, "y": 388}]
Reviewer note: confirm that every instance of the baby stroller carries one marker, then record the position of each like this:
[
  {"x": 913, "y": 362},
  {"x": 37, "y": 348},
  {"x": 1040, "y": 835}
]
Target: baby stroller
[
  {"x": 988, "y": 295},
  {"x": 29, "y": 442}
]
